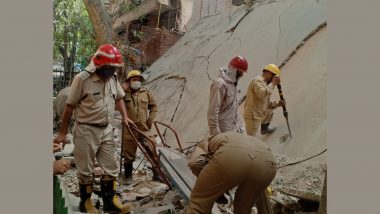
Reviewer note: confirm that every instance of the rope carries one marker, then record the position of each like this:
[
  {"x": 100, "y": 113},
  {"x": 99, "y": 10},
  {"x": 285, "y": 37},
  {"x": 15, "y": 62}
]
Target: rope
[{"x": 289, "y": 164}]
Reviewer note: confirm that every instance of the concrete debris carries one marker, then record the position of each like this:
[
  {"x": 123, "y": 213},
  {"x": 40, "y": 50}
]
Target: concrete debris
[
  {"x": 161, "y": 189},
  {"x": 156, "y": 210},
  {"x": 146, "y": 187},
  {"x": 143, "y": 192},
  {"x": 70, "y": 181},
  {"x": 128, "y": 196}
]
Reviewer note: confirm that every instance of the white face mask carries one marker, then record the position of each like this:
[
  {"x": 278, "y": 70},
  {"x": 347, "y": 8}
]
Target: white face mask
[{"x": 135, "y": 85}]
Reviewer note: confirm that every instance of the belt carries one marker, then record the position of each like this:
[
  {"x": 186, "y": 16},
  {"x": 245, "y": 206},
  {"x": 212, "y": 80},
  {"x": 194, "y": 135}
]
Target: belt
[{"x": 99, "y": 125}]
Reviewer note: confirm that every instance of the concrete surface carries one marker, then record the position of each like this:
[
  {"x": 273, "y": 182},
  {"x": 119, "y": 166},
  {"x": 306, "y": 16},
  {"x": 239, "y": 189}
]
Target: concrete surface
[
  {"x": 181, "y": 78},
  {"x": 304, "y": 84}
]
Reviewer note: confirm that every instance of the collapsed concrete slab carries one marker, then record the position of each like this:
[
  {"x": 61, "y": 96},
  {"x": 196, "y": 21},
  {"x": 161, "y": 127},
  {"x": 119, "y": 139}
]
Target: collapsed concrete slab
[
  {"x": 305, "y": 90},
  {"x": 181, "y": 78}
]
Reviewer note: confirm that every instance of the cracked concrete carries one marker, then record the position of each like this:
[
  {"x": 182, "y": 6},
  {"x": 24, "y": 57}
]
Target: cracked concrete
[
  {"x": 279, "y": 27},
  {"x": 179, "y": 101},
  {"x": 199, "y": 54}
]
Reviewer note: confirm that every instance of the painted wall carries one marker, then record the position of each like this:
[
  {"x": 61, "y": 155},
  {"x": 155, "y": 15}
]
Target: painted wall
[{"x": 194, "y": 11}]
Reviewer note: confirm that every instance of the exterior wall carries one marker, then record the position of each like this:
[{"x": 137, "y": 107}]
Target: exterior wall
[
  {"x": 194, "y": 11},
  {"x": 155, "y": 42}
]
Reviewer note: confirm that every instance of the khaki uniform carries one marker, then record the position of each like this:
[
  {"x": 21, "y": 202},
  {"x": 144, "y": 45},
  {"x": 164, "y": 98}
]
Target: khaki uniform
[
  {"x": 258, "y": 108},
  {"x": 141, "y": 109},
  {"x": 94, "y": 102},
  {"x": 199, "y": 158},
  {"x": 222, "y": 114},
  {"x": 256, "y": 170}
]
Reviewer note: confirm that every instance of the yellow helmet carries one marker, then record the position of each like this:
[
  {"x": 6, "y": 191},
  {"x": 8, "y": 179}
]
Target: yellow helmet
[
  {"x": 134, "y": 73},
  {"x": 272, "y": 68}
]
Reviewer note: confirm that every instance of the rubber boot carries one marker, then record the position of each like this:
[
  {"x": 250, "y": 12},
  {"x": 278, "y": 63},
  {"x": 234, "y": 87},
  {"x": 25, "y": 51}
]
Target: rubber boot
[
  {"x": 111, "y": 202},
  {"x": 266, "y": 129},
  {"x": 156, "y": 177},
  {"x": 85, "y": 204},
  {"x": 128, "y": 170}
]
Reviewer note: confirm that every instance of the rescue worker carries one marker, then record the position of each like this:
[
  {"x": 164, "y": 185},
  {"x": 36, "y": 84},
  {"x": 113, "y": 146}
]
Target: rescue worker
[
  {"x": 222, "y": 114},
  {"x": 93, "y": 95},
  {"x": 232, "y": 159},
  {"x": 142, "y": 109},
  {"x": 258, "y": 108}
]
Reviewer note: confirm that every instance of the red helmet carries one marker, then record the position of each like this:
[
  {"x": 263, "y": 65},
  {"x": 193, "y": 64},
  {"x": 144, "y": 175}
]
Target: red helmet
[
  {"x": 239, "y": 63},
  {"x": 107, "y": 55}
]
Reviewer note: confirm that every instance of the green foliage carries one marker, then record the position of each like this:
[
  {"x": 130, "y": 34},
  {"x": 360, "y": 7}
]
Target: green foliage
[
  {"x": 71, "y": 21},
  {"x": 138, "y": 34}
]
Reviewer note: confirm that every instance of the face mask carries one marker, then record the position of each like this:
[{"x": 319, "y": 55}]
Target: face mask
[
  {"x": 270, "y": 80},
  {"x": 105, "y": 72},
  {"x": 239, "y": 74},
  {"x": 135, "y": 85}
]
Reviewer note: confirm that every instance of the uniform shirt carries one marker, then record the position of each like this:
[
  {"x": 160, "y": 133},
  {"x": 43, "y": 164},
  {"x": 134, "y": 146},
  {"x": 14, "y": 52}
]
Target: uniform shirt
[
  {"x": 141, "y": 107},
  {"x": 205, "y": 150},
  {"x": 257, "y": 103},
  {"x": 94, "y": 99}
]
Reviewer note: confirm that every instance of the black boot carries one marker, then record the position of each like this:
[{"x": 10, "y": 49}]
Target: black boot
[
  {"x": 128, "y": 170},
  {"x": 266, "y": 129},
  {"x": 156, "y": 177},
  {"x": 111, "y": 202},
  {"x": 85, "y": 204}
]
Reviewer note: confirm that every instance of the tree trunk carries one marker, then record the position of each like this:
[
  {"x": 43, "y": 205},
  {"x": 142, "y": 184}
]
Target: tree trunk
[
  {"x": 101, "y": 21},
  {"x": 72, "y": 54},
  {"x": 64, "y": 54}
]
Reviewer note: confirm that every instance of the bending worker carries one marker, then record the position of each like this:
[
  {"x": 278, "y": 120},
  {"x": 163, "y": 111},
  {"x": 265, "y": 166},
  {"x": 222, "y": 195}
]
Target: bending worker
[{"x": 231, "y": 159}]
